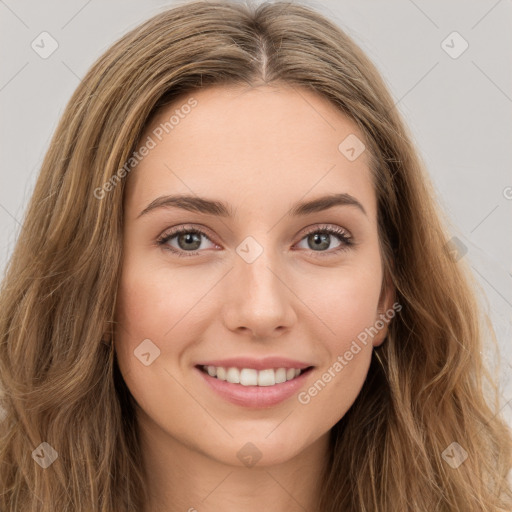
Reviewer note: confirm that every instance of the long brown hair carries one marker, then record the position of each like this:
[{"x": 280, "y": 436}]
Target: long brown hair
[{"x": 61, "y": 385}]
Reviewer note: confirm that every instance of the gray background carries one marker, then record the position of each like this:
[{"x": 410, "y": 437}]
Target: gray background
[{"x": 458, "y": 109}]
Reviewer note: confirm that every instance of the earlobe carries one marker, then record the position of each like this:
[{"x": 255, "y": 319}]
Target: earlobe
[{"x": 380, "y": 337}]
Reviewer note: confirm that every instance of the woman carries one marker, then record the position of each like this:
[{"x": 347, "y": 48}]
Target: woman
[{"x": 316, "y": 348}]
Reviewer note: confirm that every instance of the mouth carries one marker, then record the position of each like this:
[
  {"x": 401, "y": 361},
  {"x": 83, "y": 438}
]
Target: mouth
[
  {"x": 268, "y": 377},
  {"x": 251, "y": 388}
]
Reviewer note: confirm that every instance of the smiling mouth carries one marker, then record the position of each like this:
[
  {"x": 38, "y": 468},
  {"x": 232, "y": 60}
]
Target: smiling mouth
[{"x": 252, "y": 377}]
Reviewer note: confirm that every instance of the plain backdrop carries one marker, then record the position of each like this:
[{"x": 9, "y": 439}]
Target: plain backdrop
[{"x": 448, "y": 66}]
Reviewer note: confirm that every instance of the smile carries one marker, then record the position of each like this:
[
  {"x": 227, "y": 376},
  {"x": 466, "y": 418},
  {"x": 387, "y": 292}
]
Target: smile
[
  {"x": 246, "y": 390},
  {"x": 252, "y": 377}
]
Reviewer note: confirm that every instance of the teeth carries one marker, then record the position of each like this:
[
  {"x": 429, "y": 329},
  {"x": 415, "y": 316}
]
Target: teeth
[
  {"x": 251, "y": 377},
  {"x": 233, "y": 375}
]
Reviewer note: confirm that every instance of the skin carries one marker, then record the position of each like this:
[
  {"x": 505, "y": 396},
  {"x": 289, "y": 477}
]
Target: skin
[{"x": 260, "y": 150}]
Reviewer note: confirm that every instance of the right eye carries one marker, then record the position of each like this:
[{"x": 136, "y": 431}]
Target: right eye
[{"x": 184, "y": 236}]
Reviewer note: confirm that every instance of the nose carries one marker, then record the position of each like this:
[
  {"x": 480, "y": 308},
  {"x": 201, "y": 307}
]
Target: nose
[{"x": 258, "y": 300}]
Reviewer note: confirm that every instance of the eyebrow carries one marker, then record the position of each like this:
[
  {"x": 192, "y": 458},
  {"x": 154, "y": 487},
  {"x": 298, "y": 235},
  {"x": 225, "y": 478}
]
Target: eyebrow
[{"x": 218, "y": 208}]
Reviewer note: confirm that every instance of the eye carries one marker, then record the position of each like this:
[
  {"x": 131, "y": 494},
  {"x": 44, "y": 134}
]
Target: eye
[
  {"x": 188, "y": 240},
  {"x": 320, "y": 238}
]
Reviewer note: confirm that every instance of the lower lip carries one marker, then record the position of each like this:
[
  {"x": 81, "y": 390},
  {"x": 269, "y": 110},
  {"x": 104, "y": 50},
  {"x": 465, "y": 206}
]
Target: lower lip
[{"x": 255, "y": 396}]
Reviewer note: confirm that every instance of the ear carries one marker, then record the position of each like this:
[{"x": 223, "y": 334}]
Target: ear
[{"x": 385, "y": 310}]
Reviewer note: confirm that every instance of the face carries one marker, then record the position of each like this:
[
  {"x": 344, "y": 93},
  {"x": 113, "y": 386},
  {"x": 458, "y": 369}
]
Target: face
[{"x": 254, "y": 275}]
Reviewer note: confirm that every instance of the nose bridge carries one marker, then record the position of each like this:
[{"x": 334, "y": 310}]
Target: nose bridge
[
  {"x": 259, "y": 276},
  {"x": 258, "y": 298},
  {"x": 256, "y": 271}
]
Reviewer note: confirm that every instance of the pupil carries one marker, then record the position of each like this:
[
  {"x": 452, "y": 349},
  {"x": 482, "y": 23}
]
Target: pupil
[
  {"x": 188, "y": 238},
  {"x": 323, "y": 238}
]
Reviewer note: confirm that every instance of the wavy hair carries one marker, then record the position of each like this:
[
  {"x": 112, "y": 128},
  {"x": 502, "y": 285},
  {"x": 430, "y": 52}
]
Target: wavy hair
[{"x": 427, "y": 385}]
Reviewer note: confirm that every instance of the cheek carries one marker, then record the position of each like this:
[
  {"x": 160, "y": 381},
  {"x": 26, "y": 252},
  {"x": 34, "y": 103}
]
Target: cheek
[
  {"x": 153, "y": 302},
  {"x": 346, "y": 308},
  {"x": 163, "y": 307},
  {"x": 345, "y": 302},
  {"x": 336, "y": 386},
  {"x": 148, "y": 306},
  {"x": 151, "y": 314}
]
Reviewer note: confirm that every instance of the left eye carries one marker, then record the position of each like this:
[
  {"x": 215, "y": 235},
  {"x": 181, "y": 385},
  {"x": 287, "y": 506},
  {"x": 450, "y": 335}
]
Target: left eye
[
  {"x": 321, "y": 239},
  {"x": 189, "y": 240}
]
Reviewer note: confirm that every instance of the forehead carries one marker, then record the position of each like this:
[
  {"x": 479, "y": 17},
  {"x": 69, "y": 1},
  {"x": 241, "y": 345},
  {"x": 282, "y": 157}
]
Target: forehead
[{"x": 267, "y": 143}]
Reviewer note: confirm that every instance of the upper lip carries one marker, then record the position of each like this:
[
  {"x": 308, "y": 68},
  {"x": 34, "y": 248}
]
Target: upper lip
[{"x": 256, "y": 364}]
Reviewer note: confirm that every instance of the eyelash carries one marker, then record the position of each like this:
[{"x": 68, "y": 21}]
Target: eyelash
[{"x": 346, "y": 241}]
